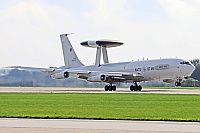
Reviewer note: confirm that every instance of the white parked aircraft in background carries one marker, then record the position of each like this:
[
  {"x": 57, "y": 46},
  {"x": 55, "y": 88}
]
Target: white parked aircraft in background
[{"x": 168, "y": 70}]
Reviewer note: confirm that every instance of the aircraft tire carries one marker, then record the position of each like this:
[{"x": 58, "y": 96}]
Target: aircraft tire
[
  {"x": 106, "y": 88},
  {"x": 139, "y": 88},
  {"x": 131, "y": 87},
  {"x": 110, "y": 88},
  {"x": 135, "y": 88},
  {"x": 114, "y": 88},
  {"x": 177, "y": 84}
]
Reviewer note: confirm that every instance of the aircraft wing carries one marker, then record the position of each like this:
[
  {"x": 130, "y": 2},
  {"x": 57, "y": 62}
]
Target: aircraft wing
[
  {"x": 83, "y": 74},
  {"x": 96, "y": 76},
  {"x": 93, "y": 76},
  {"x": 54, "y": 72},
  {"x": 33, "y": 68},
  {"x": 123, "y": 75}
]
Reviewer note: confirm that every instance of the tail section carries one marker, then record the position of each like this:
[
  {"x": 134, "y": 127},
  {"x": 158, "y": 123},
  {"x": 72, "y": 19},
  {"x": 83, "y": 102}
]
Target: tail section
[{"x": 70, "y": 57}]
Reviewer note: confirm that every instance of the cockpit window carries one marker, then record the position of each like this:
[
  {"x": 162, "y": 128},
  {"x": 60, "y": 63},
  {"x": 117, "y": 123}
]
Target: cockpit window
[{"x": 185, "y": 62}]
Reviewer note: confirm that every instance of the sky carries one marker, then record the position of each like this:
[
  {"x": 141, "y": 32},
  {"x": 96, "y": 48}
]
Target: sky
[{"x": 150, "y": 29}]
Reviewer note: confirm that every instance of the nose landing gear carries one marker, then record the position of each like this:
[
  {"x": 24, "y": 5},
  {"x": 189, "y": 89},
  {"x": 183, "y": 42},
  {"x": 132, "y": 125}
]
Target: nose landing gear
[{"x": 178, "y": 82}]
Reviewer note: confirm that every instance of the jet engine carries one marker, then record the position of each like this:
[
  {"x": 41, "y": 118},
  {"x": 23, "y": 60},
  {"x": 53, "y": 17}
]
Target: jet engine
[
  {"x": 97, "y": 78},
  {"x": 103, "y": 78},
  {"x": 60, "y": 75}
]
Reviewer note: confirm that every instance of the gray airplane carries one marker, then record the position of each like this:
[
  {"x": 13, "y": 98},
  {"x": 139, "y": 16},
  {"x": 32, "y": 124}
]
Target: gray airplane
[{"x": 169, "y": 70}]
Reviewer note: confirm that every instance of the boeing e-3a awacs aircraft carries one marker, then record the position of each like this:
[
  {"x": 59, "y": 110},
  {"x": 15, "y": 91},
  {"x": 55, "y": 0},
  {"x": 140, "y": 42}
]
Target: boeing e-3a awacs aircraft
[{"x": 168, "y": 70}]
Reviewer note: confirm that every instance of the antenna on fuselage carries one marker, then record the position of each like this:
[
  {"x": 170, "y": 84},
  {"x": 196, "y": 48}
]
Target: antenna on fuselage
[{"x": 101, "y": 45}]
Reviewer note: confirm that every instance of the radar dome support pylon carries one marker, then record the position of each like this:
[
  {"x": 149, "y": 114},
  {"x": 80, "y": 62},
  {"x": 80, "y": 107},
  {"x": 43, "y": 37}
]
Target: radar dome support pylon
[
  {"x": 98, "y": 57},
  {"x": 105, "y": 55}
]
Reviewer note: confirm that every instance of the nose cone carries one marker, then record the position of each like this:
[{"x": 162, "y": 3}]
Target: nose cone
[
  {"x": 189, "y": 69},
  {"x": 193, "y": 67}
]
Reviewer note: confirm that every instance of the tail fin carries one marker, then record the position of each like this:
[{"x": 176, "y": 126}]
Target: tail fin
[{"x": 70, "y": 57}]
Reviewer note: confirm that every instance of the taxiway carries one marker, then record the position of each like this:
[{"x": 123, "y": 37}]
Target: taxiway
[{"x": 15, "y": 125}]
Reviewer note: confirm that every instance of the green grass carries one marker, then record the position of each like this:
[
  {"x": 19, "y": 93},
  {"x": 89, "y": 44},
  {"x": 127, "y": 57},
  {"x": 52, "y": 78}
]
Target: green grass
[{"x": 101, "y": 106}]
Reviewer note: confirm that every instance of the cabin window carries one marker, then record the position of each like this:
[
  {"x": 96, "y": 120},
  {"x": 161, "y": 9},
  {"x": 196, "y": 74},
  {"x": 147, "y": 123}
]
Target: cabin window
[
  {"x": 152, "y": 68},
  {"x": 138, "y": 69}
]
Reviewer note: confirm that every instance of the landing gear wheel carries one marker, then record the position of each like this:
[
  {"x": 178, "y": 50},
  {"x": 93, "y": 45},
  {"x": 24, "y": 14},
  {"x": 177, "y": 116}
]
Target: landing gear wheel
[
  {"x": 136, "y": 88},
  {"x": 139, "y": 88},
  {"x": 110, "y": 88},
  {"x": 114, "y": 88},
  {"x": 131, "y": 87},
  {"x": 106, "y": 88},
  {"x": 177, "y": 83}
]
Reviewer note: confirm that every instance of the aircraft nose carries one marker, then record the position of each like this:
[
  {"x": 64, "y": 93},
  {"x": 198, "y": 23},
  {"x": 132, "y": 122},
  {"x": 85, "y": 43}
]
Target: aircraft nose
[
  {"x": 190, "y": 69},
  {"x": 187, "y": 70},
  {"x": 193, "y": 68}
]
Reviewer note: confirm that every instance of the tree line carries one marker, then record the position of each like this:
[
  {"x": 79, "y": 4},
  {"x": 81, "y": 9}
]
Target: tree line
[
  {"x": 32, "y": 78},
  {"x": 196, "y": 73}
]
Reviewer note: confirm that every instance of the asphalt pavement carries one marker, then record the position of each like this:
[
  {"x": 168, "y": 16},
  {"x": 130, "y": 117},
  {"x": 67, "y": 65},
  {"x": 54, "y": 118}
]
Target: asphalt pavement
[{"x": 16, "y": 125}]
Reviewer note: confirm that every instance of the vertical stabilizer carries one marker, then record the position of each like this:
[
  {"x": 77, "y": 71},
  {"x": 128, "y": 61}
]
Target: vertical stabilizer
[{"x": 70, "y": 57}]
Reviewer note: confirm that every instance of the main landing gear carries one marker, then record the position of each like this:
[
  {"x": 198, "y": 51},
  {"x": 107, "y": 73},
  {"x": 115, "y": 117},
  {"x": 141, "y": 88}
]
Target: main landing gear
[
  {"x": 136, "y": 87},
  {"x": 110, "y": 87},
  {"x": 132, "y": 87}
]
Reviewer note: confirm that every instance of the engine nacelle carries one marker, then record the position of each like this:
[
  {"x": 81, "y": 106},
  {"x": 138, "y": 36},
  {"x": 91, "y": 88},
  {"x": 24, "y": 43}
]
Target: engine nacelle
[
  {"x": 60, "y": 75},
  {"x": 97, "y": 78},
  {"x": 104, "y": 78}
]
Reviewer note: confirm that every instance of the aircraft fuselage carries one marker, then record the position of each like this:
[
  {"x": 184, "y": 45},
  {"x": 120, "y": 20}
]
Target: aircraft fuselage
[{"x": 150, "y": 69}]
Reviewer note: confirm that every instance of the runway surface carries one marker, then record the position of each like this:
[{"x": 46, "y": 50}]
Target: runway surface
[
  {"x": 15, "y": 125},
  {"x": 94, "y": 90}
]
